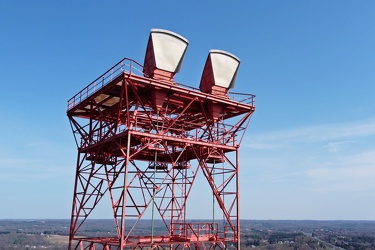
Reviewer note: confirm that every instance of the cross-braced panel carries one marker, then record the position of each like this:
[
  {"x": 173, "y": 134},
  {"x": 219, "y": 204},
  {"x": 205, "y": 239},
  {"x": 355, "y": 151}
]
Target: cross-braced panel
[{"x": 142, "y": 142}]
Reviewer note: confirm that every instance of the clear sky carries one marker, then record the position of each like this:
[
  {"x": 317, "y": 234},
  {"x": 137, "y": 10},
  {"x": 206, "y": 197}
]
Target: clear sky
[{"x": 309, "y": 152}]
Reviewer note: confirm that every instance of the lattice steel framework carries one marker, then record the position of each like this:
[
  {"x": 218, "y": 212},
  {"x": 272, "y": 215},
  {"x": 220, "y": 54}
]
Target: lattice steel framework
[{"x": 142, "y": 142}]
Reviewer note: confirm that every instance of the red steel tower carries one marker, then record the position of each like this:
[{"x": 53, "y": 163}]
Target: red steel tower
[{"x": 142, "y": 140}]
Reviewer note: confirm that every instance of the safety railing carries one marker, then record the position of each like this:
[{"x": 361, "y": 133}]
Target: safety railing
[
  {"x": 235, "y": 96},
  {"x": 195, "y": 231},
  {"x": 132, "y": 67},
  {"x": 242, "y": 97},
  {"x": 125, "y": 65}
]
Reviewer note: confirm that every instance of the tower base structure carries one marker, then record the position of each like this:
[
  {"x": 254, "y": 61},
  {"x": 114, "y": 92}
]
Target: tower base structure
[{"x": 141, "y": 144}]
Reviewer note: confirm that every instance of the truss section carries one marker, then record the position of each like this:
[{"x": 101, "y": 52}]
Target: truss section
[{"x": 142, "y": 142}]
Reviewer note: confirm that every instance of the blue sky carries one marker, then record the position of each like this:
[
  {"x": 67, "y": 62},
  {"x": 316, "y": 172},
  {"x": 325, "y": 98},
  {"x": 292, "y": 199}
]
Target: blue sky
[{"x": 309, "y": 152}]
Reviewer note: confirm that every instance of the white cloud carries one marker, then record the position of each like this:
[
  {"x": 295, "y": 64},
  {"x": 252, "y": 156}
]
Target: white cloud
[
  {"x": 333, "y": 159},
  {"x": 332, "y": 133},
  {"x": 263, "y": 145},
  {"x": 33, "y": 168},
  {"x": 281, "y": 178},
  {"x": 350, "y": 173},
  {"x": 337, "y": 146}
]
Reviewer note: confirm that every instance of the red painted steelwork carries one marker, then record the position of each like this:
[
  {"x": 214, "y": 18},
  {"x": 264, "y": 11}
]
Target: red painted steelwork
[{"x": 142, "y": 142}]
